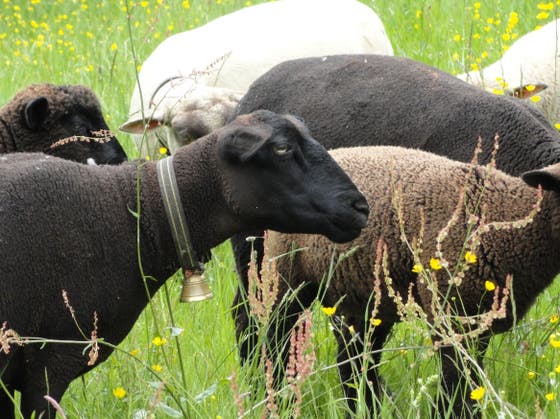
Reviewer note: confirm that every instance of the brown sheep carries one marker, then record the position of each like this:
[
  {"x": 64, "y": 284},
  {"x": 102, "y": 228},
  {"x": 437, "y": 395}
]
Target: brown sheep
[
  {"x": 431, "y": 184},
  {"x": 40, "y": 115}
]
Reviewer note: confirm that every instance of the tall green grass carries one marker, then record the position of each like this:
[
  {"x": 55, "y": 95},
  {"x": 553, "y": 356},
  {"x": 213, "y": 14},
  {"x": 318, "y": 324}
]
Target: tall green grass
[{"x": 87, "y": 42}]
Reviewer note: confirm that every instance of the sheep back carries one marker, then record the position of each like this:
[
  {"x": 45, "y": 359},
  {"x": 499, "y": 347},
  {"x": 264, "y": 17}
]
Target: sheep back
[{"x": 356, "y": 100}]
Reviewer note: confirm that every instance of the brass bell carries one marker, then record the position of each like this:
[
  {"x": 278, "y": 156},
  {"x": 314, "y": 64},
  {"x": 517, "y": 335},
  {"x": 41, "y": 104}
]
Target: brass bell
[{"x": 195, "y": 287}]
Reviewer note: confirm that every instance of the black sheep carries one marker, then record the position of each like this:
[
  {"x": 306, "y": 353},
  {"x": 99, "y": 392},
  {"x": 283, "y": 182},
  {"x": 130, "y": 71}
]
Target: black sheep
[
  {"x": 358, "y": 100},
  {"x": 41, "y": 115},
  {"x": 67, "y": 226}
]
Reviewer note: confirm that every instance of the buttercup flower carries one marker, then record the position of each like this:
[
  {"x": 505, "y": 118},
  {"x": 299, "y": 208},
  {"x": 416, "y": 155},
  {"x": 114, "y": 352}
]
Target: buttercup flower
[
  {"x": 375, "y": 322},
  {"x": 119, "y": 393},
  {"x": 435, "y": 264},
  {"x": 470, "y": 257},
  {"x": 478, "y": 393},
  {"x": 417, "y": 268},
  {"x": 159, "y": 341},
  {"x": 489, "y": 285},
  {"x": 329, "y": 311}
]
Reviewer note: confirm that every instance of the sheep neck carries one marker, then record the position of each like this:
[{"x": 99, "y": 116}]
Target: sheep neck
[
  {"x": 200, "y": 190},
  {"x": 7, "y": 137}
]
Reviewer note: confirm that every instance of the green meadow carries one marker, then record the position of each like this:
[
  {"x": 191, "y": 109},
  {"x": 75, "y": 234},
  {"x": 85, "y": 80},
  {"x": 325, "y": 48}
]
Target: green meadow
[{"x": 181, "y": 360}]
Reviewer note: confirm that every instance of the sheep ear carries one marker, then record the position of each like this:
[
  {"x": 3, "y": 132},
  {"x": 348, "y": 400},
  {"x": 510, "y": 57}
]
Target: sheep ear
[
  {"x": 241, "y": 144},
  {"x": 548, "y": 178},
  {"x": 527, "y": 90},
  {"x": 138, "y": 126},
  {"x": 35, "y": 112}
]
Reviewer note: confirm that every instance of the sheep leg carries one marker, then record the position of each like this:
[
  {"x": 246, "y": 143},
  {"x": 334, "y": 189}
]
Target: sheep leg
[
  {"x": 356, "y": 357},
  {"x": 245, "y": 326},
  {"x": 6, "y": 405},
  {"x": 455, "y": 383},
  {"x": 50, "y": 371}
]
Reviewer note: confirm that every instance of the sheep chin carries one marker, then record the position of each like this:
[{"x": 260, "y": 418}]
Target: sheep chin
[{"x": 91, "y": 162}]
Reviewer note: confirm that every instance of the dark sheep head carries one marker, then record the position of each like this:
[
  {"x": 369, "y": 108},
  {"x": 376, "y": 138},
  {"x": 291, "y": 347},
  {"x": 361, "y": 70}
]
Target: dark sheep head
[
  {"x": 65, "y": 121},
  {"x": 294, "y": 185}
]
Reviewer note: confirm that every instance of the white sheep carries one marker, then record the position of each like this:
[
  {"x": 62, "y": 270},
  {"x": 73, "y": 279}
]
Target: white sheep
[
  {"x": 534, "y": 59},
  {"x": 192, "y": 81}
]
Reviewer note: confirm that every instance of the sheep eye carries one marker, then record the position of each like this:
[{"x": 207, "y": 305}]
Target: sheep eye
[{"x": 281, "y": 149}]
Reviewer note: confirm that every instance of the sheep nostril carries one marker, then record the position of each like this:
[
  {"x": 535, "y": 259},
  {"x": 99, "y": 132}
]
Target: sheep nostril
[{"x": 362, "y": 206}]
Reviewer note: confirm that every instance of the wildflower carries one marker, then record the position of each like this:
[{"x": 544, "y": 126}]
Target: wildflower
[
  {"x": 417, "y": 268},
  {"x": 550, "y": 396},
  {"x": 186, "y": 4},
  {"x": 455, "y": 57},
  {"x": 457, "y": 38},
  {"x": 418, "y": 14},
  {"x": 478, "y": 393},
  {"x": 375, "y": 322},
  {"x": 114, "y": 47},
  {"x": 531, "y": 375},
  {"x": 530, "y": 87},
  {"x": 470, "y": 257},
  {"x": 159, "y": 341},
  {"x": 477, "y": 5},
  {"x": 554, "y": 318},
  {"x": 435, "y": 264},
  {"x": 119, "y": 393},
  {"x": 489, "y": 285},
  {"x": 554, "y": 340},
  {"x": 557, "y": 369},
  {"x": 497, "y": 91},
  {"x": 543, "y": 15},
  {"x": 557, "y": 125},
  {"x": 329, "y": 311},
  {"x": 474, "y": 67},
  {"x": 545, "y": 6},
  {"x": 163, "y": 151},
  {"x": 134, "y": 352},
  {"x": 535, "y": 99},
  {"x": 157, "y": 368}
]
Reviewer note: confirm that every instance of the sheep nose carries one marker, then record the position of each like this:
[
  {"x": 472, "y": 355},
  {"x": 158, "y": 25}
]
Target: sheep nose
[{"x": 361, "y": 205}]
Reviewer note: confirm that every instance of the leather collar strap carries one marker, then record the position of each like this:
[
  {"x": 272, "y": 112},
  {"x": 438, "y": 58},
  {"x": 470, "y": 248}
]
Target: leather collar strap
[{"x": 176, "y": 217}]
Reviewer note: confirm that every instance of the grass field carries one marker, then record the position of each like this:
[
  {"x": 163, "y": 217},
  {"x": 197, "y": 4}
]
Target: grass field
[{"x": 92, "y": 43}]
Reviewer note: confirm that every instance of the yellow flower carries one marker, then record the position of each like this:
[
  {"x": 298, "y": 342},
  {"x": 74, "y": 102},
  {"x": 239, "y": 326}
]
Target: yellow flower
[
  {"x": 157, "y": 368},
  {"x": 457, "y": 38},
  {"x": 470, "y": 257},
  {"x": 530, "y": 87},
  {"x": 375, "y": 322},
  {"x": 554, "y": 340},
  {"x": 531, "y": 375},
  {"x": 545, "y": 6},
  {"x": 159, "y": 341},
  {"x": 554, "y": 318},
  {"x": 417, "y": 268},
  {"x": 114, "y": 47},
  {"x": 351, "y": 329},
  {"x": 478, "y": 393},
  {"x": 543, "y": 15},
  {"x": 163, "y": 151},
  {"x": 329, "y": 311},
  {"x": 497, "y": 91},
  {"x": 134, "y": 352},
  {"x": 418, "y": 14},
  {"x": 557, "y": 369},
  {"x": 535, "y": 99},
  {"x": 119, "y": 393},
  {"x": 477, "y": 5},
  {"x": 557, "y": 125},
  {"x": 489, "y": 285},
  {"x": 474, "y": 67},
  {"x": 435, "y": 264},
  {"x": 550, "y": 396},
  {"x": 186, "y": 4}
]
